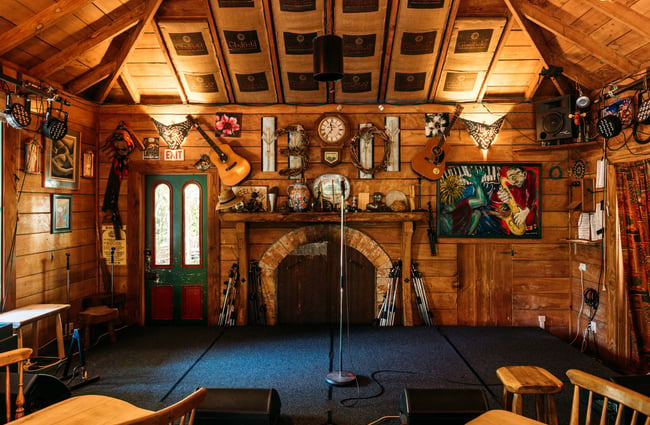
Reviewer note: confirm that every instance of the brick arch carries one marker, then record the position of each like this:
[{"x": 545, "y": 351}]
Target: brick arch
[{"x": 291, "y": 240}]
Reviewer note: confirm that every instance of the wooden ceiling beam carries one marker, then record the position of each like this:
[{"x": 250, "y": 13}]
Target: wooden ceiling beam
[
  {"x": 559, "y": 29},
  {"x": 538, "y": 40},
  {"x": 70, "y": 53},
  {"x": 389, "y": 42},
  {"x": 128, "y": 85},
  {"x": 219, "y": 51},
  {"x": 170, "y": 62},
  {"x": 38, "y": 23},
  {"x": 495, "y": 58},
  {"x": 444, "y": 46},
  {"x": 150, "y": 10},
  {"x": 273, "y": 51},
  {"x": 623, "y": 14},
  {"x": 91, "y": 77}
]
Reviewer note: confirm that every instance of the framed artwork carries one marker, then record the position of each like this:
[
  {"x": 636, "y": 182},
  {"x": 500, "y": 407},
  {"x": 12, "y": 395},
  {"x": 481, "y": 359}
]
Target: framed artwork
[
  {"x": 61, "y": 213},
  {"x": 88, "y": 168},
  {"x": 33, "y": 157},
  {"x": 227, "y": 125},
  {"x": 63, "y": 161},
  {"x": 254, "y": 198},
  {"x": 485, "y": 200}
]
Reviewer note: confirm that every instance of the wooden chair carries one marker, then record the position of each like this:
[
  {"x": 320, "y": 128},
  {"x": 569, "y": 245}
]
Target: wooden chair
[
  {"x": 182, "y": 411},
  {"x": 592, "y": 387},
  {"x": 8, "y": 358},
  {"x": 588, "y": 385}
]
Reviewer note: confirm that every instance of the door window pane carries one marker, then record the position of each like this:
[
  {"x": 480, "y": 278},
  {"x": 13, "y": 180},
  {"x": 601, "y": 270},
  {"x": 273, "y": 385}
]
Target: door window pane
[
  {"x": 162, "y": 225},
  {"x": 191, "y": 205}
]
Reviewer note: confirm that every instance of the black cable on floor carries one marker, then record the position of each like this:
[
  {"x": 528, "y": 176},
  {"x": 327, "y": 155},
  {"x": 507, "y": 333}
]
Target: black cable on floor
[
  {"x": 214, "y": 341},
  {"x": 485, "y": 385}
]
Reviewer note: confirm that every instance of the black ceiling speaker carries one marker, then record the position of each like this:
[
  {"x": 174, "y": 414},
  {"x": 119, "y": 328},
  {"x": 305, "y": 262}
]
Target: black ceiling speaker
[
  {"x": 328, "y": 58},
  {"x": 18, "y": 116}
]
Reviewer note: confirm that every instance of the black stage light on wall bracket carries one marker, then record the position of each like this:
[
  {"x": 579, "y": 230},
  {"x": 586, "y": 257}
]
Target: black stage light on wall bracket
[
  {"x": 53, "y": 127},
  {"x": 18, "y": 115}
]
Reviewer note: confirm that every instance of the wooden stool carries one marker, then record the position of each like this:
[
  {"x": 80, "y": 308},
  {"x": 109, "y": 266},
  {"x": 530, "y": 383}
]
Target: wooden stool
[
  {"x": 519, "y": 380},
  {"x": 94, "y": 316}
]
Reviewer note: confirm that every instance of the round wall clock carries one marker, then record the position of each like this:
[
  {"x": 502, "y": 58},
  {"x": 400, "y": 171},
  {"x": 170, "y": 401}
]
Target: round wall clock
[{"x": 332, "y": 129}]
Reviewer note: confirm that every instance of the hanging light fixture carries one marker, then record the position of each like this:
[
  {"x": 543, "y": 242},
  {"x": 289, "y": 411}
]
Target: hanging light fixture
[
  {"x": 328, "y": 54},
  {"x": 484, "y": 135}
]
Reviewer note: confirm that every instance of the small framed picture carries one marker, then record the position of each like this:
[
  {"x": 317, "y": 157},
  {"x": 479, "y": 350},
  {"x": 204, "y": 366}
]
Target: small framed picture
[
  {"x": 63, "y": 161},
  {"x": 88, "y": 167},
  {"x": 254, "y": 198},
  {"x": 61, "y": 213}
]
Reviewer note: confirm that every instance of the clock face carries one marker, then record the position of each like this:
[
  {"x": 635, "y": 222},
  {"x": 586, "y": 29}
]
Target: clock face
[{"x": 332, "y": 129}]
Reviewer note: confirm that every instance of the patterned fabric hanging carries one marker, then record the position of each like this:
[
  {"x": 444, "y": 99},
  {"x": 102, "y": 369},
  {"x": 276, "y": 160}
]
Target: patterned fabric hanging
[{"x": 174, "y": 134}]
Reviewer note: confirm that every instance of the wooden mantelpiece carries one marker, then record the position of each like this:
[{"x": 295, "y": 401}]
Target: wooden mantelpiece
[
  {"x": 405, "y": 220},
  {"x": 320, "y": 217}
]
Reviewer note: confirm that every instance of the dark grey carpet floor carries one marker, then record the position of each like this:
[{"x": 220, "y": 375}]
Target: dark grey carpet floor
[{"x": 153, "y": 367}]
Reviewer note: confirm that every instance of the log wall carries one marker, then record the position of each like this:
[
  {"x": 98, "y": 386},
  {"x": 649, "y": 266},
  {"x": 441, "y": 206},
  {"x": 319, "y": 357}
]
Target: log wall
[{"x": 35, "y": 260}]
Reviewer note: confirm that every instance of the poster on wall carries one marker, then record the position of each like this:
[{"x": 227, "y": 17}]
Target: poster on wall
[
  {"x": 483, "y": 200},
  {"x": 118, "y": 256}
]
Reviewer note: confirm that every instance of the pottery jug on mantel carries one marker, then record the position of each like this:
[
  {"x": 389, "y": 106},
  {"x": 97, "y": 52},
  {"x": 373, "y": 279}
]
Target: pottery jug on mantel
[{"x": 299, "y": 196}]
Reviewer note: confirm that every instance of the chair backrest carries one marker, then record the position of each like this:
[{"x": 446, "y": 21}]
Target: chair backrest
[
  {"x": 8, "y": 358},
  {"x": 611, "y": 395},
  {"x": 182, "y": 411}
]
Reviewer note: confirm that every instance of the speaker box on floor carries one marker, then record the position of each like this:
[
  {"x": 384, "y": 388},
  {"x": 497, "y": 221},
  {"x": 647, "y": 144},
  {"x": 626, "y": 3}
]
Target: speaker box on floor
[
  {"x": 41, "y": 390},
  {"x": 239, "y": 406},
  {"x": 552, "y": 120},
  {"x": 420, "y": 406}
]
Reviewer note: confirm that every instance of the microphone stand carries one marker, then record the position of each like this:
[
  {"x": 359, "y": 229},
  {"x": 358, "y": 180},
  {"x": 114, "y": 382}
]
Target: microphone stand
[{"x": 341, "y": 377}]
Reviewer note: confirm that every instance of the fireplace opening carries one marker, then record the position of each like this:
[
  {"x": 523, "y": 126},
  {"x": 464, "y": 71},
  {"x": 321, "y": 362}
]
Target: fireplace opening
[{"x": 308, "y": 285}]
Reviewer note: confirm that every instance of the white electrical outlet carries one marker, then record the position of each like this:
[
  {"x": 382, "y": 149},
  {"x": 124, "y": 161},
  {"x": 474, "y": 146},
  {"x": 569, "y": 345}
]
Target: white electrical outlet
[
  {"x": 582, "y": 267},
  {"x": 592, "y": 326}
]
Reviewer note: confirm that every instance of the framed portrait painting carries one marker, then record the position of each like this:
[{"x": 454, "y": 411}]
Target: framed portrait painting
[
  {"x": 61, "y": 213},
  {"x": 484, "y": 200},
  {"x": 63, "y": 161}
]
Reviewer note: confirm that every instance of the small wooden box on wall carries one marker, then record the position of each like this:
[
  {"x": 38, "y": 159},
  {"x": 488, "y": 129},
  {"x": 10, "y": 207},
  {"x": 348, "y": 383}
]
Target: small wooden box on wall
[{"x": 581, "y": 195}]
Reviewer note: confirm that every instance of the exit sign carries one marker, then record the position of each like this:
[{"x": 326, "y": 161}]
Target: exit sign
[{"x": 174, "y": 155}]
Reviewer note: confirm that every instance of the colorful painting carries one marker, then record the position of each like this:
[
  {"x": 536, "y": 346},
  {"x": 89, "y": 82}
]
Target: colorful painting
[
  {"x": 61, "y": 213},
  {"x": 490, "y": 201}
]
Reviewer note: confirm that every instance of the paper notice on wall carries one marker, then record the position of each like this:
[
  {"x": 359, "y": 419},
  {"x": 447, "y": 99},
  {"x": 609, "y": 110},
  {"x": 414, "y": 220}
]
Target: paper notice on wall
[
  {"x": 114, "y": 250},
  {"x": 584, "y": 226},
  {"x": 596, "y": 220},
  {"x": 601, "y": 172}
]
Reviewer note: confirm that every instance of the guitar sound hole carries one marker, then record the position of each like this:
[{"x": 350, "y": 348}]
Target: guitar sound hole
[{"x": 438, "y": 154}]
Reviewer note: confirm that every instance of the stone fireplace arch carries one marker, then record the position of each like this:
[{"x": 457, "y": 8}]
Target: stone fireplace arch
[{"x": 291, "y": 240}]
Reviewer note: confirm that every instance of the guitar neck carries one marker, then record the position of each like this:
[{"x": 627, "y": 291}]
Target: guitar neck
[
  {"x": 207, "y": 138},
  {"x": 457, "y": 112}
]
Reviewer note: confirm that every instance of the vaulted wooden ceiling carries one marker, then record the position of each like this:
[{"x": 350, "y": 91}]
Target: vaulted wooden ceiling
[{"x": 260, "y": 51}]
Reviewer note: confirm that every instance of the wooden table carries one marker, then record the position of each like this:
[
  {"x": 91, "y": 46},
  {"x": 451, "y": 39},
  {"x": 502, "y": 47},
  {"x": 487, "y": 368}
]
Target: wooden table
[
  {"x": 502, "y": 417},
  {"x": 31, "y": 314},
  {"x": 84, "y": 410}
]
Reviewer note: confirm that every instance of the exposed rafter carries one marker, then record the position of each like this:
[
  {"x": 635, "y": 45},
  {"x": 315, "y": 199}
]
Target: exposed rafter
[
  {"x": 126, "y": 20},
  {"x": 150, "y": 10},
  {"x": 39, "y": 23},
  {"x": 545, "y": 19},
  {"x": 623, "y": 14}
]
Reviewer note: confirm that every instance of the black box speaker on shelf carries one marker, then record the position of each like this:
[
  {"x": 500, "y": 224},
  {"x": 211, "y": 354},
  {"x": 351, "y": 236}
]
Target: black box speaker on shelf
[
  {"x": 422, "y": 406},
  {"x": 40, "y": 390},
  {"x": 552, "y": 121},
  {"x": 239, "y": 406}
]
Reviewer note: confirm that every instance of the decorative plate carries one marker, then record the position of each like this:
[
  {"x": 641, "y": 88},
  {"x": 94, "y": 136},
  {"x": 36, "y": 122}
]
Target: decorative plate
[
  {"x": 328, "y": 186},
  {"x": 394, "y": 195}
]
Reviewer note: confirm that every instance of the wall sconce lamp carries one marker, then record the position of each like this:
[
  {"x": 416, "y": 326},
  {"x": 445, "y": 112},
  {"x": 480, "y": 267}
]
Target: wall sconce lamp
[
  {"x": 484, "y": 135},
  {"x": 174, "y": 134}
]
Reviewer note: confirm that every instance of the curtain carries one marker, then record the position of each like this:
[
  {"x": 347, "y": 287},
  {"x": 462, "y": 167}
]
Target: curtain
[{"x": 633, "y": 199}]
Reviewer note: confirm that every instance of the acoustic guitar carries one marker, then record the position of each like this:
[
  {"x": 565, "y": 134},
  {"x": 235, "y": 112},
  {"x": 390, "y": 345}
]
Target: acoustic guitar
[
  {"x": 430, "y": 161},
  {"x": 232, "y": 168}
]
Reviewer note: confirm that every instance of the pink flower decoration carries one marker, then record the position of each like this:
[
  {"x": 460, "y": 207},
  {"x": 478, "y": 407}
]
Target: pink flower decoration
[{"x": 227, "y": 125}]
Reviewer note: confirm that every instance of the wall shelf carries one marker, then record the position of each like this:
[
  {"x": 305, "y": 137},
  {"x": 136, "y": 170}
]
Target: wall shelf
[
  {"x": 584, "y": 242},
  {"x": 322, "y": 217},
  {"x": 582, "y": 145}
]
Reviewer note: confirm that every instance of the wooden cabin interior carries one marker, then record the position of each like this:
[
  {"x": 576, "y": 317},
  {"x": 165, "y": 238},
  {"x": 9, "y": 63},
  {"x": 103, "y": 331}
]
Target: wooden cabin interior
[{"x": 126, "y": 122}]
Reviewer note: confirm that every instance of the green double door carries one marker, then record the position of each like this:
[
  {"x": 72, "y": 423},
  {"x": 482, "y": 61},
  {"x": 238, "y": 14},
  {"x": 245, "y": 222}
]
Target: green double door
[{"x": 176, "y": 249}]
